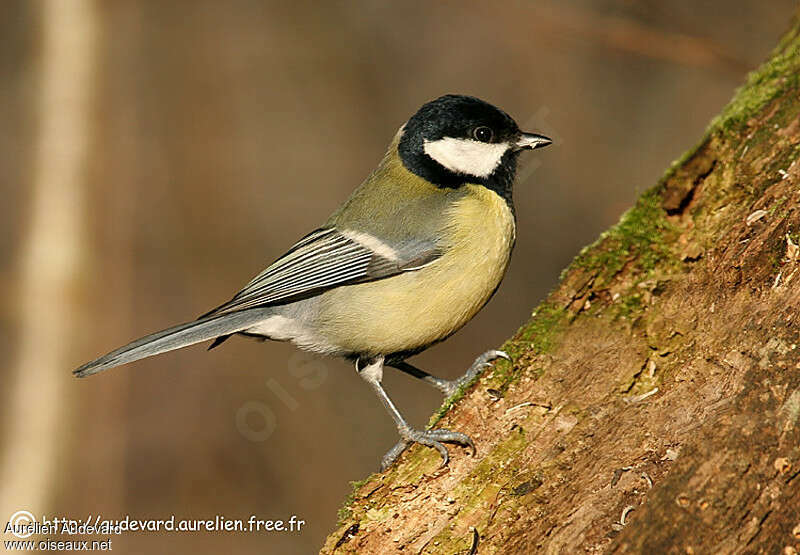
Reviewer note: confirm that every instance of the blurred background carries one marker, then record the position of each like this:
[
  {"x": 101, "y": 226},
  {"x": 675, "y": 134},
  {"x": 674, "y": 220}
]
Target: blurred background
[{"x": 154, "y": 156}]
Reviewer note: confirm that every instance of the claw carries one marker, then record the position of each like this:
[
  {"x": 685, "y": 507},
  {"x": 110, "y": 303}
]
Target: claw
[
  {"x": 452, "y": 437},
  {"x": 442, "y": 451},
  {"x": 436, "y": 438},
  {"x": 430, "y": 438},
  {"x": 483, "y": 361},
  {"x": 393, "y": 454},
  {"x": 491, "y": 355}
]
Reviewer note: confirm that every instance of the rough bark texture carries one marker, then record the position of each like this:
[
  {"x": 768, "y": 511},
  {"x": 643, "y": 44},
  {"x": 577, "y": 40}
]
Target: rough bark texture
[{"x": 652, "y": 405}]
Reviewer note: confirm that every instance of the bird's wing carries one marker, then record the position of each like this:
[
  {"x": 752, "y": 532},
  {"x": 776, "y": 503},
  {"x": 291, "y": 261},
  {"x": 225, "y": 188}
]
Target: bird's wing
[{"x": 324, "y": 259}]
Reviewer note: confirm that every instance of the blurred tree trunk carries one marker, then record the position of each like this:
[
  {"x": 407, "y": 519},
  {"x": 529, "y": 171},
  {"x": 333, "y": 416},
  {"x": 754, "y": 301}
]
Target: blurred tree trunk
[
  {"x": 653, "y": 402},
  {"x": 52, "y": 255}
]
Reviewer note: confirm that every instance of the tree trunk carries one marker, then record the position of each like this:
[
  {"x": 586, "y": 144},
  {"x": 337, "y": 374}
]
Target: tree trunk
[{"x": 652, "y": 405}]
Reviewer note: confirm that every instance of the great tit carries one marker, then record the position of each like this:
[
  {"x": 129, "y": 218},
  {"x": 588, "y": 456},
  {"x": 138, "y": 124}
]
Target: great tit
[{"x": 414, "y": 253}]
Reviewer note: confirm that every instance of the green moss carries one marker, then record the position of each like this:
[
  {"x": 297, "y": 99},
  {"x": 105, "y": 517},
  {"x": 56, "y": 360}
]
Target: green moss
[
  {"x": 641, "y": 237},
  {"x": 763, "y": 85},
  {"x": 775, "y": 260},
  {"x": 777, "y": 205},
  {"x": 539, "y": 334},
  {"x": 453, "y": 400},
  {"x": 500, "y": 470},
  {"x": 535, "y": 337},
  {"x": 480, "y": 488},
  {"x": 420, "y": 462},
  {"x": 345, "y": 512},
  {"x": 685, "y": 157},
  {"x": 472, "y": 490},
  {"x": 629, "y": 305}
]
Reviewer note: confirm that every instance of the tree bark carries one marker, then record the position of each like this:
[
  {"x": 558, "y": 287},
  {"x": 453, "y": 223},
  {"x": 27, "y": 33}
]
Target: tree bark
[{"x": 653, "y": 400}]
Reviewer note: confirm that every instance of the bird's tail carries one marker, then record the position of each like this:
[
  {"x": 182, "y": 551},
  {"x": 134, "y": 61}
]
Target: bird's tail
[{"x": 173, "y": 338}]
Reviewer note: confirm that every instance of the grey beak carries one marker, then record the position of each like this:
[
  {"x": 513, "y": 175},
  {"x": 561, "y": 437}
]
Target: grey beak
[{"x": 530, "y": 141}]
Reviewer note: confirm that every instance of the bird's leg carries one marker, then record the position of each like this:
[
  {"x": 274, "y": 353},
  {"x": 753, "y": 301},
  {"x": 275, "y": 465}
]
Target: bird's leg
[
  {"x": 372, "y": 373},
  {"x": 449, "y": 387}
]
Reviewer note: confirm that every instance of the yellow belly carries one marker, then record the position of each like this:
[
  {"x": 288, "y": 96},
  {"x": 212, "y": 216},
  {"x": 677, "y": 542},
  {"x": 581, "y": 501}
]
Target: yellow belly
[{"x": 415, "y": 309}]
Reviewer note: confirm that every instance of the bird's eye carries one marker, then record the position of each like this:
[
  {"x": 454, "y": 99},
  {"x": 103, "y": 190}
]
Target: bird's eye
[{"x": 482, "y": 134}]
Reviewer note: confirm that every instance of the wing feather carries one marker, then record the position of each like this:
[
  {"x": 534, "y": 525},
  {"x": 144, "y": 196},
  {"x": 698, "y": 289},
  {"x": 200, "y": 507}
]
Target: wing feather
[{"x": 322, "y": 260}]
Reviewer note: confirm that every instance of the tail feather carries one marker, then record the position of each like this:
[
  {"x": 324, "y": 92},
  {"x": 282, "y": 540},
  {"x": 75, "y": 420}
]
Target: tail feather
[{"x": 172, "y": 338}]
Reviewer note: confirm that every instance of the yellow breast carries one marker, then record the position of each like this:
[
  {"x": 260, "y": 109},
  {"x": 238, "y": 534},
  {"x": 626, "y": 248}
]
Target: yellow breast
[{"x": 418, "y": 308}]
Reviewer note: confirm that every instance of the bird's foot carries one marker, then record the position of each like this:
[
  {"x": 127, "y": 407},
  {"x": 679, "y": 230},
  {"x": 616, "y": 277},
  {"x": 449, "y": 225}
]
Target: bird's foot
[
  {"x": 449, "y": 387},
  {"x": 429, "y": 438},
  {"x": 437, "y": 438}
]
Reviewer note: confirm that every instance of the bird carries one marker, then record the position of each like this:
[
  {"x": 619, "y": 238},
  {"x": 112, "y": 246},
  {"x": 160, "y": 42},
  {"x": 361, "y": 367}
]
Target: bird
[{"x": 409, "y": 258}]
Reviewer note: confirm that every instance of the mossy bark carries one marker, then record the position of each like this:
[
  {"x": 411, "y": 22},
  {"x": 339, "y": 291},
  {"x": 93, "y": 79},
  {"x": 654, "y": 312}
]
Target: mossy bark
[{"x": 653, "y": 400}]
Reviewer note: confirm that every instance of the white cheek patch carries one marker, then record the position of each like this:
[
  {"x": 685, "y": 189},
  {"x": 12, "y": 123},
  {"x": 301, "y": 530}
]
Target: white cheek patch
[{"x": 466, "y": 156}]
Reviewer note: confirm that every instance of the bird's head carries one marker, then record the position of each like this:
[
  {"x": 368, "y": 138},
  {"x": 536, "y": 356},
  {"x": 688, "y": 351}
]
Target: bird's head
[{"x": 458, "y": 139}]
